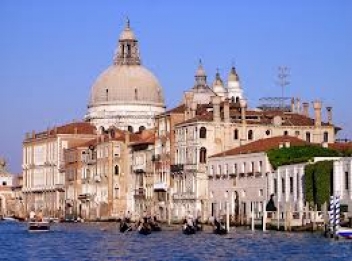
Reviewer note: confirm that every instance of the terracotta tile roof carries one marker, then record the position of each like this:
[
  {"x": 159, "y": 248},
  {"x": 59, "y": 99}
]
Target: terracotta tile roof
[
  {"x": 144, "y": 137},
  {"x": 262, "y": 145},
  {"x": 179, "y": 109},
  {"x": 84, "y": 128},
  {"x": 341, "y": 146}
]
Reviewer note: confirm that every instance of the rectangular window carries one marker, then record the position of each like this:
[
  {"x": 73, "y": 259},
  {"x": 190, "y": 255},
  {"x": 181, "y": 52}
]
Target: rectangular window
[
  {"x": 275, "y": 186},
  {"x": 347, "y": 180},
  {"x": 291, "y": 185},
  {"x": 283, "y": 185}
]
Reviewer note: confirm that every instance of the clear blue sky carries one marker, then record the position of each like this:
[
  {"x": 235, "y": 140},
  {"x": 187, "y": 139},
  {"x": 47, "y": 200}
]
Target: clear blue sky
[{"x": 52, "y": 51}]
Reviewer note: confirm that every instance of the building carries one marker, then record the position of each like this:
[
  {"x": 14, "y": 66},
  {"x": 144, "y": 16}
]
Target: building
[
  {"x": 126, "y": 95},
  {"x": 212, "y": 128},
  {"x": 6, "y": 194},
  {"x": 242, "y": 177},
  {"x": 43, "y": 166}
]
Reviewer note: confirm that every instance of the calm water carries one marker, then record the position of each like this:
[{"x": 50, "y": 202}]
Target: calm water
[{"x": 104, "y": 242}]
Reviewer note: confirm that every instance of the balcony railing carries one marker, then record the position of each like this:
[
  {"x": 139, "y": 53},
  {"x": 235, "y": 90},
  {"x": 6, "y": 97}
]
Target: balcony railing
[
  {"x": 184, "y": 196},
  {"x": 139, "y": 193},
  {"x": 177, "y": 168},
  {"x": 156, "y": 157},
  {"x": 160, "y": 186}
]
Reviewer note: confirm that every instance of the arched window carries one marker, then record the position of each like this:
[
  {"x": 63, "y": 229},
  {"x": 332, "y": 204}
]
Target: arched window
[
  {"x": 202, "y": 133},
  {"x": 203, "y": 155},
  {"x": 135, "y": 94},
  {"x": 117, "y": 170},
  {"x": 232, "y": 99},
  {"x": 130, "y": 129},
  {"x": 326, "y": 136},
  {"x": 141, "y": 128},
  {"x": 237, "y": 99},
  {"x": 308, "y": 136},
  {"x": 235, "y": 134},
  {"x": 107, "y": 94},
  {"x": 285, "y": 133},
  {"x": 102, "y": 130},
  {"x": 250, "y": 135}
]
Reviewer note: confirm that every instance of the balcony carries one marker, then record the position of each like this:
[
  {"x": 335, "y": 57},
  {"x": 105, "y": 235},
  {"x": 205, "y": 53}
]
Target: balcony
[
  {"x": 139, "y": 193},
  {"x": 139, "y": 169},
  {"x": 184, "y": 196},
  {"x": 84, "y": 197},
  {"x": 60, "y": 187},
  {"x": 176, "y": 169},
  {"x": 160, "y": 187},
  {"x": 156, "y": 157}
]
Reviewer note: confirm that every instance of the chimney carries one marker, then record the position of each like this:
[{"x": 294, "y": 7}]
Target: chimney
[
  {"x": 215, "y": 100},
  {"x": 317, "y": 113},
  {"x": 243, "y": 105},
  {"x": 298, "y": 105},
  {"x": 193, "y": 109},
  {"x": 127, "y": 138},
  {"x": 306, "y": 109},
  {"x": 293, "y": 105},
  {"x": 188, "y": 99},
  {"x": 329, "y": 111},
  {"x": 226, "y": 111}
]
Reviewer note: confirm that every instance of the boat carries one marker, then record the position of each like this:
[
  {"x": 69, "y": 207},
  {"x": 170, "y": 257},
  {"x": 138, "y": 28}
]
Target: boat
[
  {"x": 344, "y": 232},
  {"x": 144, "y": 229},
  {"x": 124, "y": 227},
  {"x": 38, "y": 226},
  {"x": 9, "y": 219},
  {"x": 155, "y": 226},
  {"x": 220, "y": 228},
  {"x": 189, "y": 230}
]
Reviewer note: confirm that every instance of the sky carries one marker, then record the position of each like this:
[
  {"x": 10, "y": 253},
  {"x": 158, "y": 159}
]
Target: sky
[{"x": 51, "y": 52}]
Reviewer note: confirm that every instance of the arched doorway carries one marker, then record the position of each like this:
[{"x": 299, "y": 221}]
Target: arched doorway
[{"x": 236, "y": 202}]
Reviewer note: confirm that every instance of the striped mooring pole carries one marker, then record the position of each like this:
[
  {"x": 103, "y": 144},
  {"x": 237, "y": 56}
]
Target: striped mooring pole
[
  {"x": 331, "y": 215},
  {"x": 337, "y": 213}
]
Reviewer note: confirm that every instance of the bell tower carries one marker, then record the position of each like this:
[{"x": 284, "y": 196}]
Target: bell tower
[{"x": 127, "y": 51}]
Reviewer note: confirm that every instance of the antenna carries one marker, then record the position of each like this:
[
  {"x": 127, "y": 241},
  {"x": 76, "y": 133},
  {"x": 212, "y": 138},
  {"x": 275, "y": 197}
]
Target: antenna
[{"x": 283, "y": 73}]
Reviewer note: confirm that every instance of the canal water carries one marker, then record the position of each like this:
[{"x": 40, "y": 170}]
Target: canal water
[{"x": 103, "y": 241}]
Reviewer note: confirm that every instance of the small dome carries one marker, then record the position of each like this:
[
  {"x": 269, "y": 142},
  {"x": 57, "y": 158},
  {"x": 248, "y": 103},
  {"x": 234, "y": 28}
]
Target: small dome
[
  {"x": 200, "y": 71},
  {"x": 233, "y": 76},
  {"x": 127, "y": 33},
  {"x": 127, "y": 84}
]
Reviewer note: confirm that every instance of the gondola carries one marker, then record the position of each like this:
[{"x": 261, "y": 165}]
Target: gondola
[
  {"x": 219, "y": 229},
  {"x": 155, "y": 227},
  {"x": 189, "y": 230},
  {"x": 144, "y": 229},
  {"x": 124, "y": 226}
]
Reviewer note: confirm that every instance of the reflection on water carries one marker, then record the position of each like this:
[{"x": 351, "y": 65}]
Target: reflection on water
[{"x": 104, "y": 242}]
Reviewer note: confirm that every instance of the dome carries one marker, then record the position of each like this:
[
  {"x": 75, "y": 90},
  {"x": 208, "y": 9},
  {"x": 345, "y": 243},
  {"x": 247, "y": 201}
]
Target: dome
[
  {"x": 233, "y": 76},
  {"x": 126, "y": 84},
  {"x": 127, "y": 33}
]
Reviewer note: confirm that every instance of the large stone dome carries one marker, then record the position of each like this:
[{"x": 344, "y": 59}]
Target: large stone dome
[
  {"x": 129, "y": 84},
  {"x": 126, "y": 95}
]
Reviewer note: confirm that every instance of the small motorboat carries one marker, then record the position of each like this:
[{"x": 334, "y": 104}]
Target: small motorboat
[
  {"x": 124, "y": 227},
  {"x": 344, "y": 232},
  {"x": 38, "y": 226},
  {"x": 189, "y": 230}
]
